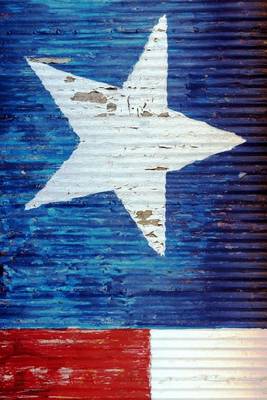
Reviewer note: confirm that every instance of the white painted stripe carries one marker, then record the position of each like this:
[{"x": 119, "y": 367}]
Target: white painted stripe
[{"x": 209, "y": 364}]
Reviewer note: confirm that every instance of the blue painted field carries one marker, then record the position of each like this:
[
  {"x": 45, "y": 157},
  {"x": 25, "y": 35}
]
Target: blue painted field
[{"x": 85, "y": 263}]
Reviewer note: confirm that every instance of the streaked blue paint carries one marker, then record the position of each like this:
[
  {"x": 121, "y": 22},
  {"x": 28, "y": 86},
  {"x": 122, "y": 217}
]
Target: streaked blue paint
[{"x": 79, "y": 264}]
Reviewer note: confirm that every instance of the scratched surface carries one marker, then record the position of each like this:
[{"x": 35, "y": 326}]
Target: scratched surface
[
  {"x": 84, "y": 263},
  {"x": 71, "y": 364}
]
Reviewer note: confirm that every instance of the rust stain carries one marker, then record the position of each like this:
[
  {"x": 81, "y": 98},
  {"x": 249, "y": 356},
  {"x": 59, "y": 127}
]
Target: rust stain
[
  {"x": 93, "y": 97},
  {"x": 51, "y": 60}
]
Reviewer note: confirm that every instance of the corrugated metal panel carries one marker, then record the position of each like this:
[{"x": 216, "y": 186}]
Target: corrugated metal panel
[
  {"x": 90, "y": 262},
  {"x": 73, "y": 364},
  {"x": 95, "y": 261},
  {"x": 133, "y": 364},
  {"x": 213, "y": 272},
  {"x": 208, "y": 364}
]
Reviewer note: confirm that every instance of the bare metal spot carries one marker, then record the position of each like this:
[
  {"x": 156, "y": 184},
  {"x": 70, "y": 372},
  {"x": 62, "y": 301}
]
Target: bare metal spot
[
  {"x": 146, "y": 114},
  {"x": 51, "y": 60},
  {"x": 93, "y": 97},
  {"x": 164, "y": 115},
  {"x": 157, "y": 169},
  {"x": 241, "y": 175},
  {"x": 143, "y": 216},
  {"x": 111, "y": 107},
  {"x": 69, "y": 79}
]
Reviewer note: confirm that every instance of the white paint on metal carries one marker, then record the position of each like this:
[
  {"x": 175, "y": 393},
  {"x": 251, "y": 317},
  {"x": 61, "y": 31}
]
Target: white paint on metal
[
  {"x": 146, "y": 86},
  {"x": 65, "y": 375},
  {"x": 129, "y": 138},
  {"x": 210, "y": 364}
]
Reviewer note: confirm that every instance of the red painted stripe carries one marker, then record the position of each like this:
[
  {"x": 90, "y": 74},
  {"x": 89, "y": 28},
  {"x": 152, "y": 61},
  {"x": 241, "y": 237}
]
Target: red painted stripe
[{"x": 74, "y": 364}]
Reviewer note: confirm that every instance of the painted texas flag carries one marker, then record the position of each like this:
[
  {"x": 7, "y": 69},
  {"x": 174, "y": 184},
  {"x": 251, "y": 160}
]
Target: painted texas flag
[
  {"x": 133, "y": 200},
  {"x": 133, "y": 166},
  {"x": 133, "y": 364}
]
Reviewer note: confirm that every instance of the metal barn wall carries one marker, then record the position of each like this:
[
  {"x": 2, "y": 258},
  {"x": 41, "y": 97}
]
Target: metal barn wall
[
  {"x": 215, "y": 246},
  {"x": 92, "y": 261}
]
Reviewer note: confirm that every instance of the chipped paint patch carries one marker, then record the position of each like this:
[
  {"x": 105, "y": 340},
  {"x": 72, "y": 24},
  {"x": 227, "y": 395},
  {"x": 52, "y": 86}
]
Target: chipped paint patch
[
  {"x": 111, "y": 107},
  {"x": 242, "y": 175},
  {"x": 74, "y": 364},
  {"x": 50, "y": 60},
  {"x": 143, "y": 218},
  {"x": 159, "y": 168},
  {"x": 93, "y": 97},
  {"x": 69, "y": 79},
  {"x": 146, "y": 114},
  {"x": 164, "y": 115}
]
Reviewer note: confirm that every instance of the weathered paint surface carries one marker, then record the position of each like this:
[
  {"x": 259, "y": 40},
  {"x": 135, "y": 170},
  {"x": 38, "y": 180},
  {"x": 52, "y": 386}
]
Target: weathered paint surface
[
  {"x": 72, "y": 364},
  {"x": 212, "y": 364},
  {"x": 133, "y": 364},
  {"x": 92, "y": 260},
  {"x": 129, "y": 138},
  {"x": 84, "y": 262}
]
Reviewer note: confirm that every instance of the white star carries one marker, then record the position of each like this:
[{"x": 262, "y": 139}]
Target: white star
[{"x": 129, "y": 138}]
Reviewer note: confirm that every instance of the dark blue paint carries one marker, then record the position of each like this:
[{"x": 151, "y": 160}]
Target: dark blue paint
[{"x": 84, "y": 263}]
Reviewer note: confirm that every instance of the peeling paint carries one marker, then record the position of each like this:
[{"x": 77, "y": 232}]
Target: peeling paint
[
  {"x": 51, "y": 60},
  {"x": 69, "y": 79},
  {"x": 86, "y": 261},
  {"x": 146, "y": 114},
  {"x": 93, "y": 97},
  {"x": 159, "y": 168},
  {"x": 111, "y": 107},
  {"x": 242, "y": 175},
  {"x": 113, "y": 88},
  {"x": 109, "y": 364},
  {"x": 143, "y": 219},
  {"x": 164, "y": 115},
  {"x": 161, "y": 144}
]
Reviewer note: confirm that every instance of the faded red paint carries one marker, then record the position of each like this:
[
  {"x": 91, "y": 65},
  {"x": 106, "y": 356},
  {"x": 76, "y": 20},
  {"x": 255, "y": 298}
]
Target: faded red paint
[{"x": 74, "y": 364}]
